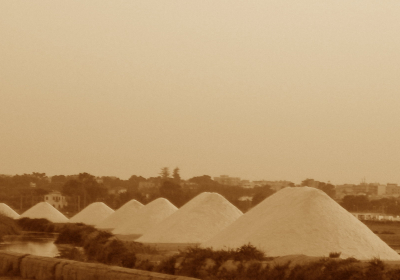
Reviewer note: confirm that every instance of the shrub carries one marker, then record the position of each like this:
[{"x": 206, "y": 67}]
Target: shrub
[
  {"x": 248, "y": 252},
  {"x": 42, "y": 225},
  {"x": 335, "y": 254},
  {"x": 116, "y": 253},
  {"x": 168, "y": 265},
  {"x": 74, "y": 234},
  {"x": 94, "y": 243},
  {"x": 8, "y": 226}
]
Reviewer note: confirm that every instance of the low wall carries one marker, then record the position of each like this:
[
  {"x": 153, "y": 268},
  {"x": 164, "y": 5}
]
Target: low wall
[{"x": 44, "y": 268}]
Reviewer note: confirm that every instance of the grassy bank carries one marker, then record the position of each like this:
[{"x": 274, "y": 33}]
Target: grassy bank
[
  {"x": 99, "y": 246},
  {"x": 247, "y": 264},
  {"x": 86, "y": 243}
]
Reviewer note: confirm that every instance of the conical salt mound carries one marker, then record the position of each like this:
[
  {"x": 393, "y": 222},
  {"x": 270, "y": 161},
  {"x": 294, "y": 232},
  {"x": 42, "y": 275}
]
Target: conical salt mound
[
  {"x": 303, "y": 221},
  {"x": 197, "y": 221},
  {"x": 44, "y": 210},
  {"x": 121, "y": 215},
  {"x": 147, "y": 217},
  {"x": 93, "y": 214},
  {"x": 8, "y": 211}
]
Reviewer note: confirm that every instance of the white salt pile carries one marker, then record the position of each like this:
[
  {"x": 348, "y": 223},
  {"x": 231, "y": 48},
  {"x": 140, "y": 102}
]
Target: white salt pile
[
  {"x": 44, "y": 210},
  {"x": 93, "y": 214},
  {"x": 147, "y": 217},
  {"x": 8, "y": 211},
  {"x": 120, "y": 216},
  {"x": 303, "y": 221},
  {"x": 197, "y": 221}
]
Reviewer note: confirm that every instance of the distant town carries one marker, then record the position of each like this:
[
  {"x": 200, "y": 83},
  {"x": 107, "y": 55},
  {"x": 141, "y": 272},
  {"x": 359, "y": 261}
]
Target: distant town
[{"x": 71, "y": 193}]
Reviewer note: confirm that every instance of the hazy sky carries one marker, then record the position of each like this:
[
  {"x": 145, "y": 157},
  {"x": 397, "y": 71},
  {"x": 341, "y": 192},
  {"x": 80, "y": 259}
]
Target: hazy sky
[{"x": 255, "y": 89}]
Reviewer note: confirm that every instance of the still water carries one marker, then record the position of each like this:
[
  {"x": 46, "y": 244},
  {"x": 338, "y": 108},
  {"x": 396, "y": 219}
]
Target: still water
[{"x": 35, "y": 243}]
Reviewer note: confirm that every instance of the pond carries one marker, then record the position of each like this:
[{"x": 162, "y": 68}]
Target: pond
[{"x": 35, "y": 243}]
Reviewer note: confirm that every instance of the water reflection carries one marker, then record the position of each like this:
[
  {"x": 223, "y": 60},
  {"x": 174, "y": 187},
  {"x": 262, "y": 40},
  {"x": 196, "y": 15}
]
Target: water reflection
[{"x": 40, "y": 244}]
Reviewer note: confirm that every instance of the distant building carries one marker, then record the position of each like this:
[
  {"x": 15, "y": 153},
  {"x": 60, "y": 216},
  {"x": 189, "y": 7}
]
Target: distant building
[
  {"x": 56, "y": 199},
  {"x": 247, "y": 184},
  {"x": 381, "y": 190},
  {"x": 145, "y": 185},
  {"x": 343, "y": 190},
  {"x": 392, "y": 190},
  {"x": 117, "y": 190},
  {"x": 275, "y": 185},
  {"x": 229, "y": 181}
]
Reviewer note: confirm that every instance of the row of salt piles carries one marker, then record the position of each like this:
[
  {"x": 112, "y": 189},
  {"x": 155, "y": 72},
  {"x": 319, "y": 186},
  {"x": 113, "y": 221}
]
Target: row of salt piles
[{"x": 195, "y": 222}]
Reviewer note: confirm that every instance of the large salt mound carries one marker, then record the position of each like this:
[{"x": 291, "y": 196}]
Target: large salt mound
[
  {"x": 93, "y": 214},
  {"x": 303, "y": 221},
  {"x": 44, "y": 210},
  {"x": 195, "y": 222},
  {"x": 121, "y": 215},
  {"x": 8, "y": 211},
  {"x": 147, "y": 217}
]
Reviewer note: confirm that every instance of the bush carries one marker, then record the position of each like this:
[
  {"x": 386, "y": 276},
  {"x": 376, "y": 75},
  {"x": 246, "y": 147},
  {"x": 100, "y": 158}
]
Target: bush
[
  {"x": 74, "y": 234},
  {"x": 8, "y": 226},
  {"x": 195, "y": 258},
  {"x": 168, "y": 265},
  {"x": 334, "y": 254},
  {"x": 116, "y": 253},
  {"x": 248, "y": 252},
  {"x": 94, "y": 243},
  {"x": 41, "y": 225}
]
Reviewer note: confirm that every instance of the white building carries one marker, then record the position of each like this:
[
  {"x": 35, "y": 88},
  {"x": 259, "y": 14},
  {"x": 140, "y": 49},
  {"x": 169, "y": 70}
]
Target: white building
[{"x": 56, "y": 199}]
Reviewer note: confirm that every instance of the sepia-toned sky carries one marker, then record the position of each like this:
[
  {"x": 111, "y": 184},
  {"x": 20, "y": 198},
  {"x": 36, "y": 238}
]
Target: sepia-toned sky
[{"x": 277, "y": 90}]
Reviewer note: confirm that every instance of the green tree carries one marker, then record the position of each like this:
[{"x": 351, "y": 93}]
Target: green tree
[
  {"x": 165, "y": 173},
  {"x": 173, "y": 192},
  {"x": 86, "y": 187},
  {"x": 329, "y": 189},
  {"x": 261, "y": 193},
  {"x": 356, "y": 203},
  {"x": 176, "y": 176}
]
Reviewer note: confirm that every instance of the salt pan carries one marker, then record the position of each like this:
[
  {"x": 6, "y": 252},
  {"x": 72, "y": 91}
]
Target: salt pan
[
  {"x": 305, "y": 221},
  {"x": 198, "y": 220}
]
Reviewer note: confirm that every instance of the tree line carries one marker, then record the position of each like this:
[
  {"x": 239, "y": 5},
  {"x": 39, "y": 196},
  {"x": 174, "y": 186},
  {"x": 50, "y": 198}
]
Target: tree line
[{"x": 21, "y": 192}]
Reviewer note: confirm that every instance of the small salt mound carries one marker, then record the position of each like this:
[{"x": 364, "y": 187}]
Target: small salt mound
[
  {"x": 197, "y": 221},
  {"x": 303, "y": 221},
  {"x": 93, "y": 214},
  {"x": 121, "y": 215},
  {"x": 44, "y": 210},
  {"x": 8, "y": 211},
  {"x": 147, "y": 217}
]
